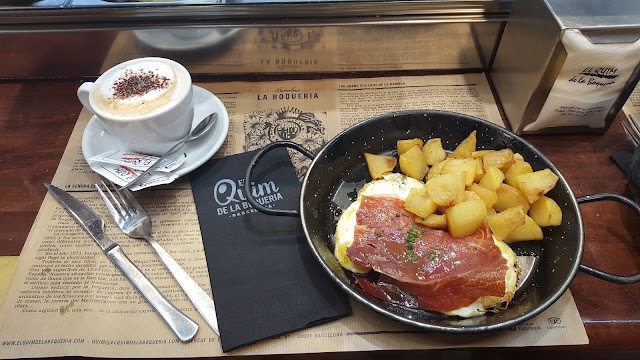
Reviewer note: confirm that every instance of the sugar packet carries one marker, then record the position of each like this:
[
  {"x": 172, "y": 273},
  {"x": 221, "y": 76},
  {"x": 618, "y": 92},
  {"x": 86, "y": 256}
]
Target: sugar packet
[{"x": 121, "y": 167}]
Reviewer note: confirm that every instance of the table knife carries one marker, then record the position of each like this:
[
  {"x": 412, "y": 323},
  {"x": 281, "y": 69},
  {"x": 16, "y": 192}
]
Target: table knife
[{"x": 181, "y": 324}]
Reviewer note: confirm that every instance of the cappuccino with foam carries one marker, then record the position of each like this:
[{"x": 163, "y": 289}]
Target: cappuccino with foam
[
  {"x": 146, "y": 103},
  {"x": 141, "y": 88}
]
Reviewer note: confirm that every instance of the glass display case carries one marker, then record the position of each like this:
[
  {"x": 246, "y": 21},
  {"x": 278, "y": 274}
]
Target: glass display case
[
  {"x": 245, "y": 52},
  {"x": 59, "y": 38}
]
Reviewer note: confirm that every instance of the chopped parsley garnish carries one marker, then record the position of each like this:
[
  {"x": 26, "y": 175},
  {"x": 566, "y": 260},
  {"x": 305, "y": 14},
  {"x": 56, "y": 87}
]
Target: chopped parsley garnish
[
  {"x": 410, "y": 238},
  {"x": 435, "y": 253}
]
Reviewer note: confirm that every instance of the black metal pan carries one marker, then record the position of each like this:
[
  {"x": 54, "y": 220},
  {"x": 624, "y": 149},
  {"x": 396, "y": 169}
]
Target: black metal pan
[{"x": 338, "y": 171}]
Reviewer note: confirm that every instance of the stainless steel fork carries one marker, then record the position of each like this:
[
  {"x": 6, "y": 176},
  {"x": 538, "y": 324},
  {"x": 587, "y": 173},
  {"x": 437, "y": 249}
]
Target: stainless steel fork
[
  {"x": 630, "y": 131},
  {"x": 134, "y": 221}
]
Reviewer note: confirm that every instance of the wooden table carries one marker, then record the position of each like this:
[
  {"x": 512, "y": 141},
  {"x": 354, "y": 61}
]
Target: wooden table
[{"x": 37, "y": 117}]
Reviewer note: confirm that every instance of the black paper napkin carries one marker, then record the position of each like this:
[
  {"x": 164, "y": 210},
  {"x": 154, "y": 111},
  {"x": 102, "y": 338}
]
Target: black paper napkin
[
  {"x": 264, "y": 277},
  {"x": 622, "y": 159}
]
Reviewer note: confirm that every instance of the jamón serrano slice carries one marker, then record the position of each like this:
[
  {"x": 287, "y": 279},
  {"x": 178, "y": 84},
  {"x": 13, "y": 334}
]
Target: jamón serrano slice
[{"x": 423, "y": 267}]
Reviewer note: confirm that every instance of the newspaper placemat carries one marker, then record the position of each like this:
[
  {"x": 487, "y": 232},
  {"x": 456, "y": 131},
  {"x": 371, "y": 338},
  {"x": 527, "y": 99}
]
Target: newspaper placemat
[
  {"x": 305, "y": 49},
  {"x": 64, "y": 286},
  {"x": 631, "y": 109}
]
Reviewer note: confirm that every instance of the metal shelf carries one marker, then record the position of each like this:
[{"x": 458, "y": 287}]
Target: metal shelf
[{"x": 71, "y": 14}]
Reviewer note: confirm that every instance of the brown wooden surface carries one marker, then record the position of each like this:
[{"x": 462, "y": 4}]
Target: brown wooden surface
[{"x": 37, "y": 117}]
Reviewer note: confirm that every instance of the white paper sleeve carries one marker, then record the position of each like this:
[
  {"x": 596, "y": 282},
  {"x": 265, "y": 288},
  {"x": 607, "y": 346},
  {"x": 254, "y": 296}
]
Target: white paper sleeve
[{"x": 590, "y": 80}]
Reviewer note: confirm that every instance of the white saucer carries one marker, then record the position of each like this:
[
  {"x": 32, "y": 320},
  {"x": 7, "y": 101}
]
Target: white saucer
[
  {"x": 167, "y": 40},
  {"x": 96, "y": 139}
]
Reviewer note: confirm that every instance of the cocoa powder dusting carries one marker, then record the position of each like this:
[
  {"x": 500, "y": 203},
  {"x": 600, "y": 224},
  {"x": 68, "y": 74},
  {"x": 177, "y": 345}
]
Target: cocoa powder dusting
[{"x": 138, "y": 83}]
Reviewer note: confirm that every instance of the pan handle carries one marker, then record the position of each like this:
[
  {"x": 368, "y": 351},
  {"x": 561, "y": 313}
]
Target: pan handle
[
  {"x": 631, "y": 279},
  {"x": 252, "y": 166}
]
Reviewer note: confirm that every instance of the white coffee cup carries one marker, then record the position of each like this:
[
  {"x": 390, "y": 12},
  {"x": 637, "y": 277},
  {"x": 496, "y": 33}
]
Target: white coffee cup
[{"x": 146, "y": 103}]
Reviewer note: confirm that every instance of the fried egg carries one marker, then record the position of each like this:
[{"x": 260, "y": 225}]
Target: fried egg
[
  {"x": 391, "y": 184},
  {"x": 399, "y": 185}
]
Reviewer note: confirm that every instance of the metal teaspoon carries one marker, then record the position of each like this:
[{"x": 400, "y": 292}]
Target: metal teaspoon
[{"x": 200, "y": 130}]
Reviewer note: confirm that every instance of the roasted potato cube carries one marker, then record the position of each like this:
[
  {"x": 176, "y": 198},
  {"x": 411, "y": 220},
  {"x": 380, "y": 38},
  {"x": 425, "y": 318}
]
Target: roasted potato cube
[
  {"x": 405, "y": 145},
  {"x": 546, "y": 212},
  {"x": 500, "y": 159},
  {"x": 433, "y": 151},
  {"x": 467, "y": 146},
  {"x": 535, "y": 184},
  {"x": 380, "y": 165},
  {"x": 413, "y": 163},
  {"x": 525, "y": 232},
  {"x": 419, "y": 203},
  {"x": 517, "y": 168},
  {"x": 518, "y": 157},
  {"x": 509, "y": 197},
  {"x": 444, "y": 189},
  {"x": 490, "y": 213},
  {"x": 479, "y": 154},
  {"x": 479, "y": 170},
  {"x": 490, "y": 197},
  {"x": 466, "y": 165},
  {"x": 466, "y": 196},
  {"x": 464, "y": 218},
  {"x": 436, "y": 169},
  {"x": 503, "y": 223},
  {"x": 492, "y": 178},
  {"x": 434, "y": 221}
]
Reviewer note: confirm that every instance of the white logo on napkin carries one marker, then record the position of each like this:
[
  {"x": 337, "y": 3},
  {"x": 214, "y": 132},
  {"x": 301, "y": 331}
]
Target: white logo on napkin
[{"x": 233, "y": 202}]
